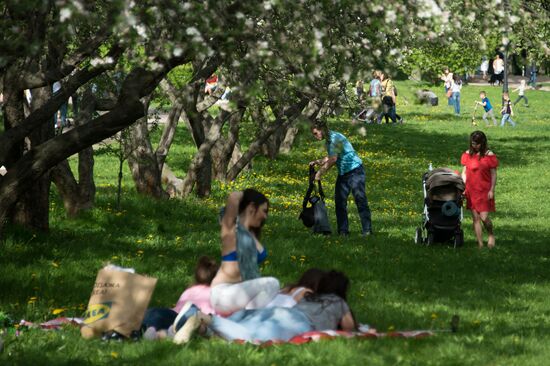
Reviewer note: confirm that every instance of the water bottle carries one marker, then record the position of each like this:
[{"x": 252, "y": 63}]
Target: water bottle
[{"x": 430, "y": 167}]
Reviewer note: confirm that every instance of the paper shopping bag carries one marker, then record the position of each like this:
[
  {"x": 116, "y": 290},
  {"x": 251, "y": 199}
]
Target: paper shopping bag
[{"x": 117, "y": 303}]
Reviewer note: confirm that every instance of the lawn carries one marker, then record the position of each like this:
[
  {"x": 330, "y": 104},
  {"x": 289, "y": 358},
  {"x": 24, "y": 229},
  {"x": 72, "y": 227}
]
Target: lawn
[{"x": 501, "y": 295}]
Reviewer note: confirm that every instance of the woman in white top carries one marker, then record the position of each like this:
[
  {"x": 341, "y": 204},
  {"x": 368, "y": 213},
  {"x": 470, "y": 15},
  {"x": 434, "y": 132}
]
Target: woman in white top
[
  {"x": 447, "y": 78},
  {"x": 456, "y": 86},
  {"x": 498, "y": 69}
]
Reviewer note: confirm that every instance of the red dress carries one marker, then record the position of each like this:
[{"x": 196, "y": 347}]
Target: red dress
[{"x": 478, "y": 181}]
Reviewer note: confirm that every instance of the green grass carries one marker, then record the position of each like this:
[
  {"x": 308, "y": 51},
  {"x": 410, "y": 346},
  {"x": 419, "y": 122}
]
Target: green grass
[{"x": 500, "y": 295}]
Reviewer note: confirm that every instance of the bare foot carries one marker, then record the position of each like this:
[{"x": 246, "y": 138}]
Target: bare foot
[
  {"x": 491, "y": 241},
  {"x": 480, "y": 245}
]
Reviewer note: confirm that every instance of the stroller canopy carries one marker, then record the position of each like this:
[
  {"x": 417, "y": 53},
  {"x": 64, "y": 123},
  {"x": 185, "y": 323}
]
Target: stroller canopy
[{"x": 444, "y": 177}]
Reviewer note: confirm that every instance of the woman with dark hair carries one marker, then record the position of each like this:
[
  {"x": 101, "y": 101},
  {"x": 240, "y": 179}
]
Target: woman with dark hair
[
  {"x": 480, "y": 176},
  {"x": 291, "y": 294},
  {"x": 237, "y": 284},
  {"x": 324, "y": 310}
]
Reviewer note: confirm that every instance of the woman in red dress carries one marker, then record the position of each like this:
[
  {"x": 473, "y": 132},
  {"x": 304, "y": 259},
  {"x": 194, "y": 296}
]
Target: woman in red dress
[{"x": 480, "y": 175}]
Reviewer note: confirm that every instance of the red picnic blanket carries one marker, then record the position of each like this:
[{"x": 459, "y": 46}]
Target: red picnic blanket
[{"x": 316, "y": 336}]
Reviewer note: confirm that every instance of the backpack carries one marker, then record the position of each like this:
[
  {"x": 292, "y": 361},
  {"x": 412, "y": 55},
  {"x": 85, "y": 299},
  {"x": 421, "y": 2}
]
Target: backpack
[{"x": 314, "y": 212}]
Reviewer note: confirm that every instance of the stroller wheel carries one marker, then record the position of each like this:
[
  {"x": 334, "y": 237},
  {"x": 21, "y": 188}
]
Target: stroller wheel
[
  {"x": 459, "y": 239},
  {"x": 418, "y": 239},
  {"x": 430, "y": 239}
]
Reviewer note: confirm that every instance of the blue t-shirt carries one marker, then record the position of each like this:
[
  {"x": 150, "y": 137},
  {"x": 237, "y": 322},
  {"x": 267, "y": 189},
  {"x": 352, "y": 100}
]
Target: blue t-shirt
[
  {"x": 375, "y": 88},
  {"x": 487, "y": 105},
  {"x": 341, "y": 147}
]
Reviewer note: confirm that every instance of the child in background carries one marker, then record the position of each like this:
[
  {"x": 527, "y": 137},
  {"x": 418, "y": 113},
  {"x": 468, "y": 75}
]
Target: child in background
[
  {"x": 521, "y": 92},
  {"x": 199, "y": 294},
  {"x": 507, "y": 111},
  {"x": 487, "y": 107},
  {"x": 359, "y": 91},
  {"x": 157, "y": 321}
]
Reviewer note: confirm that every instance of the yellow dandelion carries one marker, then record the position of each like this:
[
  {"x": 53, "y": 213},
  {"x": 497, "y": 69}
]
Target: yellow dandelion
[
  {"x": 114, "y": 354},
  {"x": 57, "y": 311}
]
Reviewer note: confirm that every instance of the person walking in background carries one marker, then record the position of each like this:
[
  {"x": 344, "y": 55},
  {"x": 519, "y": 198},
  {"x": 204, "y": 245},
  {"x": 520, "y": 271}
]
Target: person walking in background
[
  {"x": 389, "y": 96},
  {"x": 359, "y": 91},
  {"x": 456, "y": 86},
  {"x": 507, "y": 110},
  {"x": 375, "y": 89},
  {"x": 484, "y": 68},
  {"x": 351, "y": 176},
  {"x": 521, "y": 93},
  {"x": 60, "y": 117},
  {"x": 533, "y": 75},
  {"x": 480, "y": 177},
  {"x": 447, "y": 78},
  {"x": 487, "y": 107},
  {"x": 498, "y": 69}
]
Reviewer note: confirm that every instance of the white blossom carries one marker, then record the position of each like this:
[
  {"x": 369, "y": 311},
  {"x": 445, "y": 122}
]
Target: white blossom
[
  {"x": 140, "y": 29},
  {"x": 391, "y": 16},
  {"x": 101, "y": 61},
  {"x": 65, "y": 14}
]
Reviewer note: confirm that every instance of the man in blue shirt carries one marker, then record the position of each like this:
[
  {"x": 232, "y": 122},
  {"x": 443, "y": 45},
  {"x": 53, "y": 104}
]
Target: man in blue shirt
[{"x": 351, "y": 176}]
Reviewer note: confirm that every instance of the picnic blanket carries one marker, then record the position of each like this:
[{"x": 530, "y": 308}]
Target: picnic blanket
[
  {"x": 316, "y": 336},
  {"x": 53, "y": 324},
  {"x": 313, "y": 336}
]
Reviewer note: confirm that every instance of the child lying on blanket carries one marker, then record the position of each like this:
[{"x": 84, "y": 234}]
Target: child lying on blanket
[
  {"x": 326, "y": 309},
  {"x": 157, "y": 321}
]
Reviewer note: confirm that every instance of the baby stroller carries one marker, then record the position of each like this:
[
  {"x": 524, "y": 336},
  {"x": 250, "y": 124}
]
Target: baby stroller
[
  {"x": 442, "y": 214},
  {"x": 367, "y": 115}
]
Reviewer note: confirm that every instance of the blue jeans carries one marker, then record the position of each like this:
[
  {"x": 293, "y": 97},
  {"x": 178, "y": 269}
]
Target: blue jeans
[
  {"x": 262, "y": 324},
  {"x": 353, "y": 181},
  {"x": 507, "y": 118},
  {"x": 159, "y": 318},
  {"x": 456, "y": 102},
  {"x": 388, "y": 110},
  {"x": 449, "y": 100}
]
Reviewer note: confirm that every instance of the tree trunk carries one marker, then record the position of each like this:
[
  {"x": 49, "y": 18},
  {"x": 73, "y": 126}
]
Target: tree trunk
[
  {"x": 32, "y": 208},
  {"x": 288, "y": 141},
  {"x": 41, "y": 158},
  {"x": 174, "y": 185},
  {"x": 286, "y": 119},
  {"x": 168, "y": 134},
  {"x": 142, "y": 160},
  {"x": 78, "y": 196},
  {"x": 225, "y": 150},
  {"x": 202, "y": 162}
]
